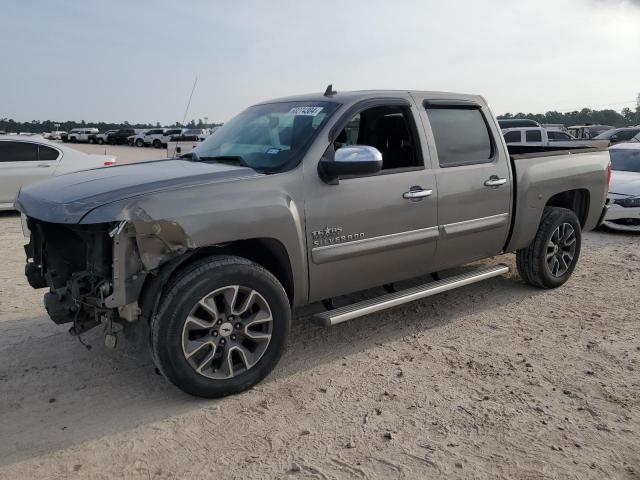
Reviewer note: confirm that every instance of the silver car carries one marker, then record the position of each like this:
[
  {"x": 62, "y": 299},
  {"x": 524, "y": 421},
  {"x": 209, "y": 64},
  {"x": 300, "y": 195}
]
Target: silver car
[
  {"x": 624, "y": 192},
  {"x": 27, "y": 159}
]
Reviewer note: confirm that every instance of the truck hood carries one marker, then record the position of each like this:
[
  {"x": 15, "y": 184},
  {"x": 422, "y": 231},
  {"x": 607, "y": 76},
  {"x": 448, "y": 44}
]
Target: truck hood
[
  {"x": 625, "y": 183},
  {"x": 67, "y": 198}
]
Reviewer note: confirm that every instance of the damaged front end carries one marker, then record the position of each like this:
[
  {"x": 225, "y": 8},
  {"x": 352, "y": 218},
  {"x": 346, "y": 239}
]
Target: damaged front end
[{"x": 96, "y": 273}]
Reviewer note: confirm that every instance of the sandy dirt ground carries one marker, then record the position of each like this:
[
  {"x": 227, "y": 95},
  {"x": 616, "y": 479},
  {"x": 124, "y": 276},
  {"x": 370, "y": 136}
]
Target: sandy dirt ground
[{"x": 494, "y": 380}]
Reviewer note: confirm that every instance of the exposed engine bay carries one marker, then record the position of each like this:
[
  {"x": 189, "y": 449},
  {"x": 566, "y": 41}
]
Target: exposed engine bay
[{"x": 95, "y": 273}]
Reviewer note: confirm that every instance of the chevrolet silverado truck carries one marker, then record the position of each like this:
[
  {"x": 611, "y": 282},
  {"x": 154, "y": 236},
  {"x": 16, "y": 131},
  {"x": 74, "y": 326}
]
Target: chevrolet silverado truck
[{"x": 297, "y": 201}]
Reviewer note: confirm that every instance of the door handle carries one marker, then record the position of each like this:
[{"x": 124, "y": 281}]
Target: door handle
[
  {"x": 417, "y": 194},
  {"x": 44, "y": 165},
  {"x": 495, "y": 182}
]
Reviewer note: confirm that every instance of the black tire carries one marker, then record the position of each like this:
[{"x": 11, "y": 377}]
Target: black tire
[
  {"x": 100, "y": 141},
  {"x": 73, "y": 140},
  {"x": 112, "y": 141},
  {"x": 183, "y": 294},
  {"x": 139, "y": 143},
  {"x": 92, "y": 140},
  {"x": 157, "y": 143},
  {"x": 533, "y": 263}
]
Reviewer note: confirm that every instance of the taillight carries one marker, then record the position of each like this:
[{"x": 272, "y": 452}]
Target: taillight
[{"x": 109, "y": 163}]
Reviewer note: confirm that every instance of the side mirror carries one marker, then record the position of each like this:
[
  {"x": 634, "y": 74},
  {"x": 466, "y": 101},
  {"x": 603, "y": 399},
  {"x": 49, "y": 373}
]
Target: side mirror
[{"x": 352, "y": 160}]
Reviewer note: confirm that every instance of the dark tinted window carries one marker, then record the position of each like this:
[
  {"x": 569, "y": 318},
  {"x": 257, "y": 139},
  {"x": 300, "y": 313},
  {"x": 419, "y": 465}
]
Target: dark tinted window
[
  {"x": 18, "y": 152},
  {"x": 534, "y": 136},
  {"x": 47, "y": 153},
  {"x": 461, "y": 136},
  {"x": 627, "y": 134},
  {"x": 625, "y": 160},
  {"x": 512, "y": 137}
]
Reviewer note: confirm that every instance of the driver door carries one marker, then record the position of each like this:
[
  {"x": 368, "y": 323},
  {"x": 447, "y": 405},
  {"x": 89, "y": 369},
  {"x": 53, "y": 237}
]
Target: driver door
[{"x": 368, "y": 231}]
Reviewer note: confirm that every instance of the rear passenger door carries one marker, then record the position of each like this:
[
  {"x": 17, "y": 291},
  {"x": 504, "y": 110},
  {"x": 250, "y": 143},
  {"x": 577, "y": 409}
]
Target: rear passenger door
[
  {"x": 473, "y": 178},
  {"x": 22, "y": 163}
]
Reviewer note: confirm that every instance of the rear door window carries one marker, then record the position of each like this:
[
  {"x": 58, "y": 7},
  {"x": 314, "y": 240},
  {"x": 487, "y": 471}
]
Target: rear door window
[
  {"x": 47, "y": 153},
  {"x": 461, "y": 135},
  {"x": 513, "y": 137},
  {"x": 18, "y": 152},
  {"x": 534, "y": 136}
]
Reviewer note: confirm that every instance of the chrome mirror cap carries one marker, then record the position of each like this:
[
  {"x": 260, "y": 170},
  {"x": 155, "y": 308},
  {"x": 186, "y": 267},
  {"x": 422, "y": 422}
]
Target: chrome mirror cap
[{"x": 354, "y": 160}]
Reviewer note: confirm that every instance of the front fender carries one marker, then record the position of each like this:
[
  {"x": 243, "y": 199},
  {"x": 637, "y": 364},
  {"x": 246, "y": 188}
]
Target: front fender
[{"x": 168, "y": 223}]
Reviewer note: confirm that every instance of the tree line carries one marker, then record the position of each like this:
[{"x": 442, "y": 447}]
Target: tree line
[
  {"x": 36, "y": 126},
  {"x": 624, "y": 118}
]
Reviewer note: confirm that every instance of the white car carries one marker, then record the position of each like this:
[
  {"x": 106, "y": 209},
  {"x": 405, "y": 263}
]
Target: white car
[
  {"x": 25, "y": 160},
  {"x": 81, "y": 135},
  {"x": 101, "y": 138},
  {"x": 149, "y": 137},
  {"x": 624, "y": 192}
]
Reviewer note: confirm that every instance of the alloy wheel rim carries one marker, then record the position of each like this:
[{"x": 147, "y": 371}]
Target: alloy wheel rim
[
  {"x": 561, "y": 249},
  {"x": 227, "y": 332}
]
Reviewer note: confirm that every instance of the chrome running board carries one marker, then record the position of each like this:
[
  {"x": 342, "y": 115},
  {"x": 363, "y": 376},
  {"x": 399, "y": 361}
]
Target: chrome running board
[{"x": 365, "y": 307}]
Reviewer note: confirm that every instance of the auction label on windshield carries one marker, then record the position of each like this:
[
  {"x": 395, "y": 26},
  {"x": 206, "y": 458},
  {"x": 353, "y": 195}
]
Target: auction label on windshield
[{"x": 306, "y": 111}]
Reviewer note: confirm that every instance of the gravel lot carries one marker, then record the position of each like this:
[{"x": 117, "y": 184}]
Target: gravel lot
[{"x": 495, "y": 380}]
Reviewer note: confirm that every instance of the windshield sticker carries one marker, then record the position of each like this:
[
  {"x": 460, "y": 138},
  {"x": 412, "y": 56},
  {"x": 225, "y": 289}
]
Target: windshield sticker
[
  {"x": 305, "y": 111},
  {"x": 273, "y": 151}
]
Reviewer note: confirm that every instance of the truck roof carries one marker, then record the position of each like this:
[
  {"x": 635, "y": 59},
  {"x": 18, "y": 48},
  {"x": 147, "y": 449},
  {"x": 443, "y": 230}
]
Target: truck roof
[{"x": 356, "y": 95}]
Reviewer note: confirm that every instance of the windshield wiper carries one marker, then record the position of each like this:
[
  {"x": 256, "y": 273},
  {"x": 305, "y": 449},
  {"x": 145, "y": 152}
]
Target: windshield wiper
[{"x": 230, "y": 159}]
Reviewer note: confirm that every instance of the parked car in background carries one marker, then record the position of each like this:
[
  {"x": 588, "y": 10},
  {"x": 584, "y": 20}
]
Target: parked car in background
[
  {"x": 80, "y": 135},
  {"x": 25, "y": 160},
  {"x": 54, "y": 135},
  {"x": 191, "y": 135},
  {"x": 586, "y": 132},
  {"x": 538, "y": 136},
  {"x": 559, "y": 127},
  {"x": 167, "y": 135},
  {"x": 617, "y": 135},
  {"x": 624, "y": 194},
  {"x": 149, "y": 137},
  {"x": 120, "y": 137},
  {"x": 299, "y": 200},
  {"x": 101, "y": 138},
  {"x": 517, "y": 122}
]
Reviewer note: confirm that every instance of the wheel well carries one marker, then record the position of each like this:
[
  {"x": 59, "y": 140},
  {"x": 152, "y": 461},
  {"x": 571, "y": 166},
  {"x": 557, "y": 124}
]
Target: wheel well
[
  {"x": 575, "y": 200},
  {"x": 267, "y": 252}
]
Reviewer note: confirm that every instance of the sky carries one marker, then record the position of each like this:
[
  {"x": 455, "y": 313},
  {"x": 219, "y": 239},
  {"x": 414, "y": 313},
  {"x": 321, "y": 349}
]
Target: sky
[{"x": 137, "y": 61}]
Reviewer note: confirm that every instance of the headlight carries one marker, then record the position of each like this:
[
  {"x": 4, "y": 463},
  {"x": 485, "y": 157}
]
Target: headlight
[
  {"x": 628, "y": 202},
  {"x": 25, "y": 228}
]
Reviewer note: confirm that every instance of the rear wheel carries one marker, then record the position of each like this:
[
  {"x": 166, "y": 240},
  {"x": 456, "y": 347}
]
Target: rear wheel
[
  {"x": 221, "y": 327},
  {"x": 550, "y": 259},
  {"x": 157, "y": 143},
  {"x": 100, "y": 141},
  {"x": 92, "y": 140}
]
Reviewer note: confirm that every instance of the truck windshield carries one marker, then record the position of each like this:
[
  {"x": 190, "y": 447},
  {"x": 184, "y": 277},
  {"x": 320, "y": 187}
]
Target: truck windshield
[
  {"x": 269, "y": 138},
  {"x": 625, "y": 160}
]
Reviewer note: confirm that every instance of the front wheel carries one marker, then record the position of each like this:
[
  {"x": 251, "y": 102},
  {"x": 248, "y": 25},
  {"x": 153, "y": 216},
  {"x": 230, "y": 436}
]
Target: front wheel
[
  {"x": 139, "y": 143},
  {"x": 550, "y": 259},
  {"x": 100, "y": 141},
  {"x": 221, "y": 328}
]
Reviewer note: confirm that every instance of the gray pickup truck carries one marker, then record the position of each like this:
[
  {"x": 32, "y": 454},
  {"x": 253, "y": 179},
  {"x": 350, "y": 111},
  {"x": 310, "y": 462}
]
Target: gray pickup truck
[{"x": 301, "y": 200}]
